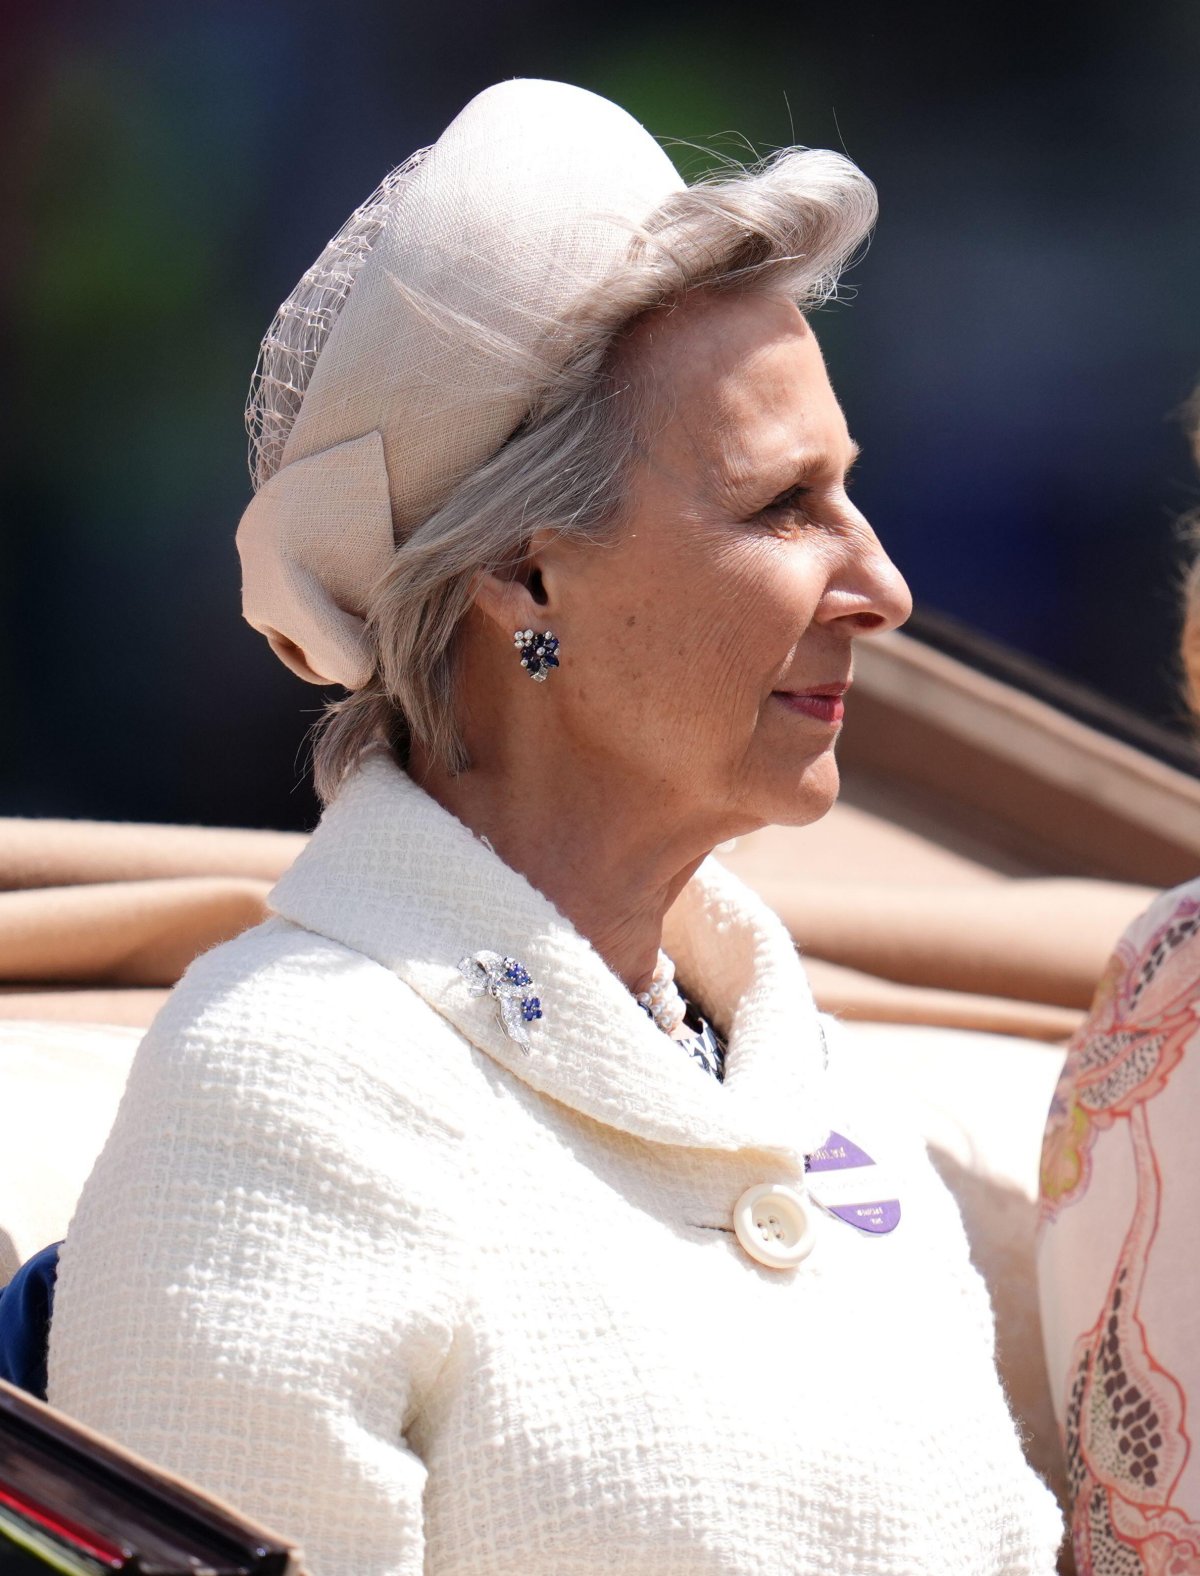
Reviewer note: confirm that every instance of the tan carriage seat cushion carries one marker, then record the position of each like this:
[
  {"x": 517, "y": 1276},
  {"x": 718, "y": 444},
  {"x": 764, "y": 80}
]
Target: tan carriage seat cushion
[{"x": 59, "y": 1088}]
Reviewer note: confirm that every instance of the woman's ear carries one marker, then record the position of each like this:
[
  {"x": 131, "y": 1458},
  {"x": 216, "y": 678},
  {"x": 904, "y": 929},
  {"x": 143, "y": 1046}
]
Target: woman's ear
[{"x": 516, "y": 596}]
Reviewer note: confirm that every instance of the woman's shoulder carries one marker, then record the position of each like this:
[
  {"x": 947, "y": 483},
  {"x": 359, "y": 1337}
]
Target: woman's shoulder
[
  {"x": 282, "y": 962},
  {"x": 283, "y": 1007},
  {"x": 1178, "y": 906},
  {"x": 1156, "y": 961}
]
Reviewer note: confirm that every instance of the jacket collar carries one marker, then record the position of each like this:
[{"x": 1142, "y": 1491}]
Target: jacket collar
[{"x": 391, "y": 874}]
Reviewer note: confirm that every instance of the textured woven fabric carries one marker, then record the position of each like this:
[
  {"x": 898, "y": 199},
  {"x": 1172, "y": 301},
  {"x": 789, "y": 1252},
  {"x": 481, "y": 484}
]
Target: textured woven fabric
[
  {"x": 527, "y": 202},
  {"x": 428, "y": 1303}
]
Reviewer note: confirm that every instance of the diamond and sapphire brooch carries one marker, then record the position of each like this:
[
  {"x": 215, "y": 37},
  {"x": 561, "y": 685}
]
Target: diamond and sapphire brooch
[
  {"x": 510, "y": 985},
  {"x": 538, "y": 652}
]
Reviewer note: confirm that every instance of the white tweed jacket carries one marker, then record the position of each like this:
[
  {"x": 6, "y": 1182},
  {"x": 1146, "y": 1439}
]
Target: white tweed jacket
[{"x": 428, "y": 1303}]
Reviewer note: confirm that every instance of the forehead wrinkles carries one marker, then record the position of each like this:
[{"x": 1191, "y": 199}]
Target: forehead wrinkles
[
  {"x": 723, "y": 376},
  {"x": 753, "y": 424}
]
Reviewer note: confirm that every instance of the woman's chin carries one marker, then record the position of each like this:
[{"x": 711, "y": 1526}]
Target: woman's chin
[{"x": 805, "y": 797}]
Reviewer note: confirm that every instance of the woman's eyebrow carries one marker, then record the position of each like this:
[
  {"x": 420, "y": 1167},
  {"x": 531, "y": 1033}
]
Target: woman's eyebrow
[{"x": 805, "y": 465}]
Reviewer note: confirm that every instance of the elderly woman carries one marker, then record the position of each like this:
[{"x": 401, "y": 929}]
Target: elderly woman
[{"x": 499, "y": 1205}]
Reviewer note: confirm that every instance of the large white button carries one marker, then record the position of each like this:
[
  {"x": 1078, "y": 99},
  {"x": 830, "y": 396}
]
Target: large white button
[{"x": 774, "y": 1225}]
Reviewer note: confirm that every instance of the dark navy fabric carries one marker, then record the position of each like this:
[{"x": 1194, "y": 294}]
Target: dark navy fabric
[{"x": 25, "y": 1305}]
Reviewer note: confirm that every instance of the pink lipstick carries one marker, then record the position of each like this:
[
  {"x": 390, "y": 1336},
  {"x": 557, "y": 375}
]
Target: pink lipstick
[{"x": 823, "y": 703}]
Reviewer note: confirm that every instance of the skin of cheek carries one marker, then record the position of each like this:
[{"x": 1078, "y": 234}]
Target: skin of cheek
[
  {"x": 682, "y": 636},
  {"x": 785, "y": 771}
]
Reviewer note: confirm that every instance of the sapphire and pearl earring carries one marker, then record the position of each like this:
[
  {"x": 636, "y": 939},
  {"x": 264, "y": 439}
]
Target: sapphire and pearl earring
[{"x": 538, "y": 652}]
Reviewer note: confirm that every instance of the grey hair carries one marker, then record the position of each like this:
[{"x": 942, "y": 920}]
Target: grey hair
[{"x": 790, "y": 223}]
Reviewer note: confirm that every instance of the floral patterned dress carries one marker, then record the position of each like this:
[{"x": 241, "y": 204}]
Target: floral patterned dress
[{"x": 1119, "y": 1253}]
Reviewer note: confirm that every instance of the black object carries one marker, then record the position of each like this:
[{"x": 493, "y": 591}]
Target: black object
[{"x": 107, "y": 1510}]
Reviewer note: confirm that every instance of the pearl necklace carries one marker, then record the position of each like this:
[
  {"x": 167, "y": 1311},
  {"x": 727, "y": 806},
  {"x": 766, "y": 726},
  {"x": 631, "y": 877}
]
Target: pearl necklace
[
  {"x": 662, "y": 1000},
  {"x": 665, "y": 1005}
]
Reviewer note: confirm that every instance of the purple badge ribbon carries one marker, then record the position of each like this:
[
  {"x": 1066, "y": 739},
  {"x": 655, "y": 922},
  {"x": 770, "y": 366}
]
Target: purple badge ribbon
[{"x": 845, "y": 1181}]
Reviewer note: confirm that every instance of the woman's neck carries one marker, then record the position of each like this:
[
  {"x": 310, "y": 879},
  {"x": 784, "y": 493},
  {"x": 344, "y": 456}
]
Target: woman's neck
[{"x": 612, "y": 868}]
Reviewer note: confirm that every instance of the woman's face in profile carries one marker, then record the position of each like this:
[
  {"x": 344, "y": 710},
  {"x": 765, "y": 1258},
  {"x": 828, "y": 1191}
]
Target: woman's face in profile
[{"x": 709, "y": 645}]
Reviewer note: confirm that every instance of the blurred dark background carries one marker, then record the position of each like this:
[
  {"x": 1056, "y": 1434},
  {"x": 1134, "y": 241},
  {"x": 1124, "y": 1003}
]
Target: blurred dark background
[{"x": 1025, "y": 333}]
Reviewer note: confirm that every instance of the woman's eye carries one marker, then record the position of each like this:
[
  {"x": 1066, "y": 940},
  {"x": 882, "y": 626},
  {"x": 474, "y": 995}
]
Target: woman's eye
[{"x": 787, "y": 506}]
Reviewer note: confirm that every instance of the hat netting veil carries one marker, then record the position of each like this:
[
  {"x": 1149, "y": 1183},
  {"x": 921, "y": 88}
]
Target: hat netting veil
[{"x": 303, "y": 323}]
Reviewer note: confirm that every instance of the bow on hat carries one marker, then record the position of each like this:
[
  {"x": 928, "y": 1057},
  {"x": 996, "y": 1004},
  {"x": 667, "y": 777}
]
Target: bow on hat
[
  {"x": 313, "y": 541},
  {"x": 524, "y": 205}
]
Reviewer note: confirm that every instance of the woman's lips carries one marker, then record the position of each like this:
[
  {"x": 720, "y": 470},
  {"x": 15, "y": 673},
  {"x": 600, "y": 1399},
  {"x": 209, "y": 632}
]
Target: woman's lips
[{"x": 826, "y": 704}]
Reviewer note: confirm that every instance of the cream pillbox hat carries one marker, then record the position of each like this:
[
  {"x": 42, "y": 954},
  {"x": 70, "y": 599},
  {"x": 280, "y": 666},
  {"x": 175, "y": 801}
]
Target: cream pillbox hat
[{"x": 526, "y": 203}]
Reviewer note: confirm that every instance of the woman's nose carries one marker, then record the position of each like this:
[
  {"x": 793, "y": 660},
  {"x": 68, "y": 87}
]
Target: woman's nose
[
  {"x": 867, "y": 594},
  {"x": 893, "y": 603}
]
